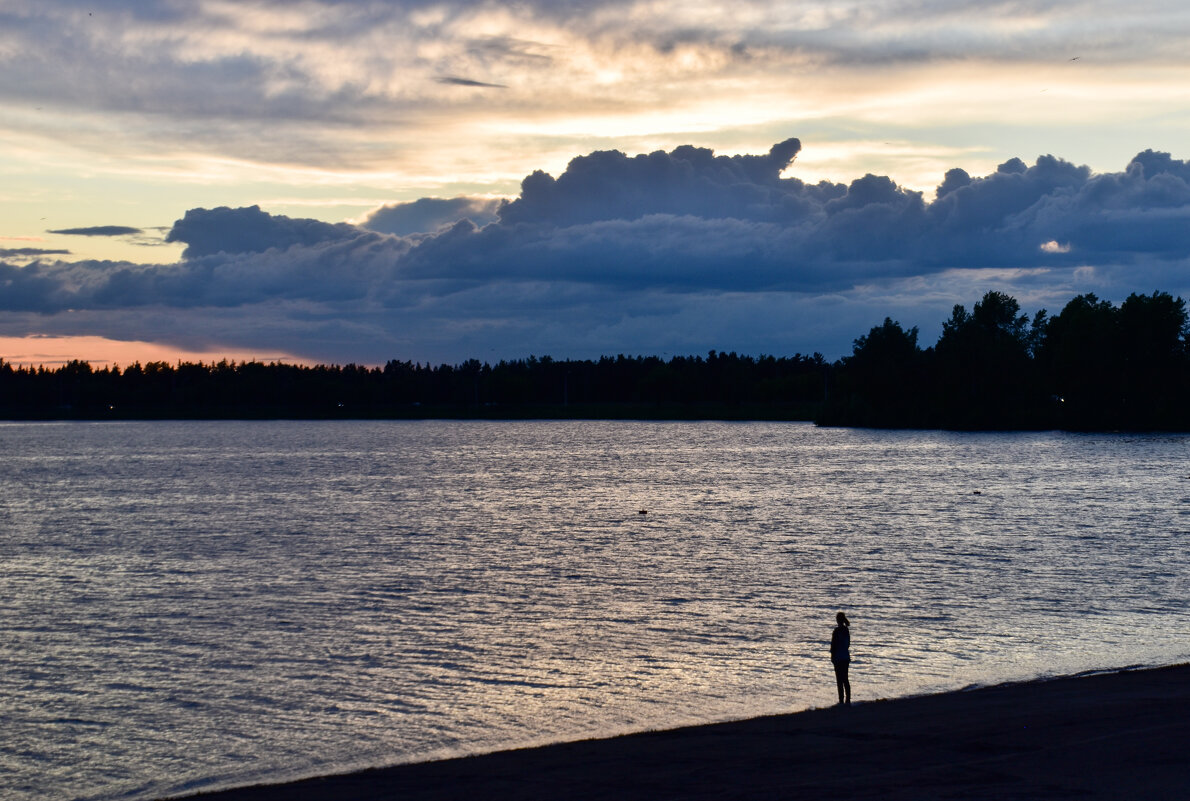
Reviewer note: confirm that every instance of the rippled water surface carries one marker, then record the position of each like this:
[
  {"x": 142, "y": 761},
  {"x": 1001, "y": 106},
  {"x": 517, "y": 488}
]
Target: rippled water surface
[{"x": 187, "y": 605}]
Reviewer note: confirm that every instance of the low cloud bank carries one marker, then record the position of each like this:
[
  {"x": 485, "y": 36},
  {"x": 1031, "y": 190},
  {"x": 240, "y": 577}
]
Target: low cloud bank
[{"x": 660, "y": 251}]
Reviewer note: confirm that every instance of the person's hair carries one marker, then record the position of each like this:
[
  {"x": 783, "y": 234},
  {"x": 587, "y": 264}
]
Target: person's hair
[{"x": 842, "y": 620}]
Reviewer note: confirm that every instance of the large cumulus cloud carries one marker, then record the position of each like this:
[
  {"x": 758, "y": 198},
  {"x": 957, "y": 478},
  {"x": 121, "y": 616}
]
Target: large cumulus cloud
[
  {"x": 682, "y": 250},
  {"x": 690, "y": 219},
  {"x": 689, "y": 181}
]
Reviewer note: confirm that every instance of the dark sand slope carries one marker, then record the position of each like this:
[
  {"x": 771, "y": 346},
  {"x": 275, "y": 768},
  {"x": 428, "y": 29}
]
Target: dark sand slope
[{"x": 1114, "y": 736}]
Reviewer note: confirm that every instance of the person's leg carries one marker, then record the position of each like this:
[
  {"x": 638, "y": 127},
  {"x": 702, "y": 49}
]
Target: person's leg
[
  {"x": 841, "y": 679},
  {"x": 845, "y": 682}
]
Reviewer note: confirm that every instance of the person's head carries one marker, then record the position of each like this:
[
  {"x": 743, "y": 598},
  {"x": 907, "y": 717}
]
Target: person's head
[{"x": 842, "y": 620}]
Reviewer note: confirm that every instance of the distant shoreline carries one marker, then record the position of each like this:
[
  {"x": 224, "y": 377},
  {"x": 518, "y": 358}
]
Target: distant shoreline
[
  {"x": 654, "y": 413},
  {"x": 791, "y": 412},
  {"x": 1106, "y": 735}
]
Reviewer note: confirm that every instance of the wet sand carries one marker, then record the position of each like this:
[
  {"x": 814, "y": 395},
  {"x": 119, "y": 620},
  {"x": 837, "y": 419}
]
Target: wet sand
[{"x": 1122, "y": 735}]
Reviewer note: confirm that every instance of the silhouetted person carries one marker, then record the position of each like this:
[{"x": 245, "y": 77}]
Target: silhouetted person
[{"x": 841, "y": 656}]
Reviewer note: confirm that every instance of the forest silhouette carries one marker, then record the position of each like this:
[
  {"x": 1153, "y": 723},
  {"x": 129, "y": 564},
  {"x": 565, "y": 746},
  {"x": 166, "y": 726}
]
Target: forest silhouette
[{"x": 1093, "y": 366}]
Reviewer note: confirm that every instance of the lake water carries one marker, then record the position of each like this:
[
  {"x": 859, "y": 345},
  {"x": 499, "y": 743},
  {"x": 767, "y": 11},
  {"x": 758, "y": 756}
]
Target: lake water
[{"x": 191, "y": 605}]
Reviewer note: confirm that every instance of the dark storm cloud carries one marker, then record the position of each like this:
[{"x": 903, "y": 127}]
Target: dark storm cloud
[
  {"x": 629, "y": 253},
  {"x": 428, "y": 214}
]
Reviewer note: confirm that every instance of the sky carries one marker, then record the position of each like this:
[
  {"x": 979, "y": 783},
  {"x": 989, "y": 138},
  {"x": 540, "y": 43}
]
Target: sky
[{"x": 353, "y": 181}]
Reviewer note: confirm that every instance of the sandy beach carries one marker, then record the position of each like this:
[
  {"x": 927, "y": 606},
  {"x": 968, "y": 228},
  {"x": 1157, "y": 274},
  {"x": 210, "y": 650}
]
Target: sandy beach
[{"x": 1117, "y": 735}]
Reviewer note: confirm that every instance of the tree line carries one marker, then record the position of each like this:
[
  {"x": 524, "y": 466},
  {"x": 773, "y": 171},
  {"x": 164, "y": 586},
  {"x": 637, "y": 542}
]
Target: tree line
[
  {"x": 719, "y": 385},
  {"x": 1092, "y": 366}
]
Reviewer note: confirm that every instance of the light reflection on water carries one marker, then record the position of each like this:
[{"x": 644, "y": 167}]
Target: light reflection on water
[{"x": 187, "y": 603}]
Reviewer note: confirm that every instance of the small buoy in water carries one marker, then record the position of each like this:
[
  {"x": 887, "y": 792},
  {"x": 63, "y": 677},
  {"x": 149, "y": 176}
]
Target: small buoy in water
[
  {"x": 643, "y": 512},
  {"x": 977, "y": 492}
]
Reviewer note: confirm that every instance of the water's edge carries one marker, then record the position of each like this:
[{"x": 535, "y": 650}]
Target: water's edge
[{"x": 205, "y": 787}]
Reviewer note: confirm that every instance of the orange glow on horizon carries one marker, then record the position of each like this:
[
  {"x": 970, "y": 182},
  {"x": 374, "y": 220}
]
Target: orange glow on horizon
[{"x": 102, "y": 352}]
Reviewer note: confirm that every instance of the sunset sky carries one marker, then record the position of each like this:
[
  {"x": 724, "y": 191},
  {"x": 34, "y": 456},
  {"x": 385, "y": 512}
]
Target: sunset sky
[{"x": 357, "y": 181}]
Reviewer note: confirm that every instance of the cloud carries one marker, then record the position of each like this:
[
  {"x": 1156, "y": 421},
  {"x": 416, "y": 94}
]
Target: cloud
[
  {"x": 334, "y": 83},
  {"x": 455, "y": 81},
  {"x": 681, "y": 250},
  {"x": 98, "y": 230},
  {"x": 429, "y": 214},
  {"x": 687, "y": 181},
  {"x": 249, "y": 230},
  {"x": 24, "y": 253}
]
